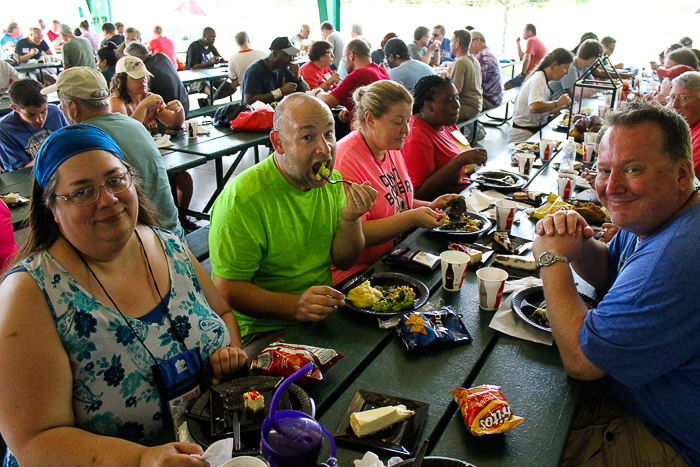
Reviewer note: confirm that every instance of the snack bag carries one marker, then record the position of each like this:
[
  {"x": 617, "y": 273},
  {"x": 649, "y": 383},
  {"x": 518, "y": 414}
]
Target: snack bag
[
  {"x": 419, "y": 329},
  {"x": 282, "y": 359},
  {"x": 485, "y": 410}
]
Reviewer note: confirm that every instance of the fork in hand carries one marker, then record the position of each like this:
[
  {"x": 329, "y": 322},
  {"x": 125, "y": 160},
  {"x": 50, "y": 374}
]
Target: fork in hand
[
  {"x": 233, "y": 402},
  {"x": 333, "y": 182}
]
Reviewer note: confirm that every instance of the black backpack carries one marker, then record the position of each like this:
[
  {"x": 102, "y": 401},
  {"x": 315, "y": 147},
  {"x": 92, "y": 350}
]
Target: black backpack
[{"x": 224, "y": 115}]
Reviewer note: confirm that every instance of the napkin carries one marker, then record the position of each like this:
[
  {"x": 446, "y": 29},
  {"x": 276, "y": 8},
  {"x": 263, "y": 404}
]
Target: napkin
[
  {"x": 203, "y": 130},
  {"x": 478, "y": 201},
  {"x": 582, "y": 183},
  {"x": 164, "y": 141},
  {"x": 506, "y": 321},
  {"x": 218, "y": 453},
  {"x": 370, "y": 459}
]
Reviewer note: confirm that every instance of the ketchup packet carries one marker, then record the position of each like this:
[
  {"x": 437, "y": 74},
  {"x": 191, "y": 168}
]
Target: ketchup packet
[
  {"x": 419, "y": 329},
  {"x": 485, "y": 410},
  {"x": 282, "y": 359}
]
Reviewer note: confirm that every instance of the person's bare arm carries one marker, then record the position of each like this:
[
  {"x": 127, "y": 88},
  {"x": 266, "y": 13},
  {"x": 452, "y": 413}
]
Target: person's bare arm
[
  {"x": 116, "y": 105},
  {"x": 29, "y": 55},
  {"x": 41, "y": 430},
  {"x": 550, "y": 106},
  {"x": 526, "y": 62},
  {"x": 382, "y": 230},
  {"x": 565, "y": 233},
  {"x": 173, "y": 115},
  {"x": 330, "y": 100},
  {"x": 207, "y": 64},
  {"x": 269, "y": 97},
  {"x": 349, "y": 241},
  {"x": 436, "y": 182},
  {"x": 254, "y": 301}
]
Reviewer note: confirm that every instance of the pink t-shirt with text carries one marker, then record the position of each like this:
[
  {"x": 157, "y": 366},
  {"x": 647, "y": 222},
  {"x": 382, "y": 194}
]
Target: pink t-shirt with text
[
  {"x": 390, "y": 178},
  {"x": 695, "y": 138}
]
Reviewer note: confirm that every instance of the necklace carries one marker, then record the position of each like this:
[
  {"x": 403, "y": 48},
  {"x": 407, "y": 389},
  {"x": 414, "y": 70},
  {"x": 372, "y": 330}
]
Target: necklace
[
  {"x": 390, "y": 183},
  {"x": 128, "y": 323}
]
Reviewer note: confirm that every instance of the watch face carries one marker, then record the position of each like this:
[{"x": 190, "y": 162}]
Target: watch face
[{"x": 547, "y": 258}]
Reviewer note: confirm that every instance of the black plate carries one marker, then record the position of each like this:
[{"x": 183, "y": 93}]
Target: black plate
[
  {"x": 200, "y": 430},
  {"x": 400, "y": 438},
  {"x": 535, "y": 297},
  {"x": 519, "y": 180},
  {"x": 436, "y": 462},
  {"x": 167, "y": 131},
  {"x": 485, "y": 226},
  {"x": 486, "y": 253},
  {"x": 385, "y": 279}
]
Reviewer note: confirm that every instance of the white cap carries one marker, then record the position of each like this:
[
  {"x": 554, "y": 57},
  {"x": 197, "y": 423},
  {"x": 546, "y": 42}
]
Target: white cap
[{"x": 132, "y": 66}]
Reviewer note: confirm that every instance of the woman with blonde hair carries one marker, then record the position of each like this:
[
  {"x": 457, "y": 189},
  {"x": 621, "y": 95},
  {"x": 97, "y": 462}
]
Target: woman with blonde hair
[
  {"x": 162, "y": 44},
  {"x": 372, "y": 152}
]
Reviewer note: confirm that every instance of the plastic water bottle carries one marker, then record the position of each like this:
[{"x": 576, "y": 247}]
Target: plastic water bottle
[
  {"x": 643, "y": 87},
  {"x": 567, "y": 162}
]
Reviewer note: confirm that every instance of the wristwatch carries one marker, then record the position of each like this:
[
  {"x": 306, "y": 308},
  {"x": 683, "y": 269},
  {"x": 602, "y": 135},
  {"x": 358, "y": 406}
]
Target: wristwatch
[{"x": 549, "y": 257}]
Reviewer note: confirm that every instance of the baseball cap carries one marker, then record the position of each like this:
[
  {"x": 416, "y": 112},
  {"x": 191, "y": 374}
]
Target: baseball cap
[
  {"x": 478, "y": 35},
  {"x": 132, "y": 66},
  {"x": 285, "y": 44},
  {"x": 81, "y": 82},
  {"x": 672, "y": 72}
]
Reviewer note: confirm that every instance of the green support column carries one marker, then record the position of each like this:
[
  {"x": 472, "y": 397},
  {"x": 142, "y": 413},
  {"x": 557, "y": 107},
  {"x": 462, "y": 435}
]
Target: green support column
[
  {"x": 100, "y": 12},
  {"x": 329, "y": 10}
]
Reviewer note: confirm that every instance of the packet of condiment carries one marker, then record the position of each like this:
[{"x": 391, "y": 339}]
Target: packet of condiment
[
  {"x": 419, "y": 329},
  {"x": 282, "y": 359},
  {"x": 485, "y": 410}
]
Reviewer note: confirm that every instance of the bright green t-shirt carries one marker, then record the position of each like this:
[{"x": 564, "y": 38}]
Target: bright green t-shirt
[{"x": 278, "y": 237}]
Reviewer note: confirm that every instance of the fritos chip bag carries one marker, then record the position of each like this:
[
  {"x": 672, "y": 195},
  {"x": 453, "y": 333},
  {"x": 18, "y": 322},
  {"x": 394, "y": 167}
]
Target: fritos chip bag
[
  {"x": 485, "y": 410},
  {"x": 282, "y": 359}
]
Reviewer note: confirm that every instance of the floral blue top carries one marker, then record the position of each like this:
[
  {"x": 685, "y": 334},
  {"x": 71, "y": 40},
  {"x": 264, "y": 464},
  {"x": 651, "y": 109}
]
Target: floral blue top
[{"x": 114, "y": 393}]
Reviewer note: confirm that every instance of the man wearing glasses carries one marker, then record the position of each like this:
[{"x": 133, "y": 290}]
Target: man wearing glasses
[
  {"x": 684, "y": 100},
  {"x": 420, "y": 50},
  {"x": 445, "y": 49},
  {"x": 83, "y": 94}
]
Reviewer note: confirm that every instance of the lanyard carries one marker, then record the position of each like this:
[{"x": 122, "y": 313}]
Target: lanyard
[{"x": 167, "y": 313}]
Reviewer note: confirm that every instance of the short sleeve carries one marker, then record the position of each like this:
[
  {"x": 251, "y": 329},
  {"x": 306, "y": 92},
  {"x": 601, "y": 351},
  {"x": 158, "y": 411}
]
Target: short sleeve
[
  {"x": 419, "y": 155},
  {"x": 459, "y": 74},
  {"x": 253, "y": 82},
  {"x": 538, "y": 91},
  {"x": 236, "y": 240}
]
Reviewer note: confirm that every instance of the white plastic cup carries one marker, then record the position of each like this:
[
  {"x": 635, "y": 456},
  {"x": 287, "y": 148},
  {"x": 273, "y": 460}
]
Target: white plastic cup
[
  {"x": 192, "y": 128},
  {"x": 608, "y": 100},
  {"x": 245, "y": 461},
  {"x": 491, "y": 282},
  {"x": 602, "y": 110},
  {"x": 505, "y": 212},
  {"x": 588, "y": 152},
  {"x": 589, "y": 137},
  {"x": 566, "y": 184},
  {"x": 48, "y": 58},
  {"x": 547, "y": 147},
  {"x": 454, "y": 266},
  {"x": 525, "y": 161}
]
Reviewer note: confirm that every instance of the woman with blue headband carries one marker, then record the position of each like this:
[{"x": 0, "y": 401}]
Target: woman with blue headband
[{"x": 106, "y": 323}]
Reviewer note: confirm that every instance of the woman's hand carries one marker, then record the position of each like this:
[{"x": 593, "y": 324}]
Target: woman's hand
[
  {"x": 174, "y": 106},
  {"x": 225, "y": 362},
  {"x": 173, "y": 454},
  {"x": 426, "y": 217},
  {"x": 563, "y": 102},
  {"x": 154, "y": 101},
  {"x": 441, "y": 201},
  {"x": 477, "y": 156}
]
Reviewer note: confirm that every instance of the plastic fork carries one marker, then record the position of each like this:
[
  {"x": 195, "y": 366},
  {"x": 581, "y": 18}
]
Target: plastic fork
[
  {"x": 333, "y": 182},
  {"x": 233, "y": 402}
]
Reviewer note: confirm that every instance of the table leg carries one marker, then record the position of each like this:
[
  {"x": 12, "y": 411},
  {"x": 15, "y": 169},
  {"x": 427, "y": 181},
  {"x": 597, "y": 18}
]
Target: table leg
[
  {"x": 222, "y": 179},
  {"x": 212, "y": 91}
]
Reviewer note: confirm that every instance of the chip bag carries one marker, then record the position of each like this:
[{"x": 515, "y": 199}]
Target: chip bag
[
  {"x": 485, "y": 410},
  {"x": 282, "y": 359},
  {"x": 419, "y": 329}
]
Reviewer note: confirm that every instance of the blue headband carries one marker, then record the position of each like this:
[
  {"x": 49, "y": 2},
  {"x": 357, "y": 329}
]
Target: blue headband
[{"x": 66, "y": 143}]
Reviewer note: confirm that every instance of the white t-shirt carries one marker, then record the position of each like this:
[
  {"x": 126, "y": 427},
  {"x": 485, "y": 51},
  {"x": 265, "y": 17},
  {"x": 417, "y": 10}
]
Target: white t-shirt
[
  {"x": 7, "y": 73},
  {"x": 533, "y": 90},
  {"x": 239, "y": 63}
]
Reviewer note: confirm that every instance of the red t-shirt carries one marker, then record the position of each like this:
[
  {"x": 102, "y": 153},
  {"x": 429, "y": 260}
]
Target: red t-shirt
[
  {"x": 427, "y": 149},
  {"x": 358, "y": 78},
  {"x": 390, "y": 178},
  {"x": 313, "y": 75},
  {"x": 695, "y": 137},
  {"x": 8, "y": 247},
  {"x": 51, "y": 35},
  {"x": 537, "y": 52},
  {"x": 166, "y": 46}
]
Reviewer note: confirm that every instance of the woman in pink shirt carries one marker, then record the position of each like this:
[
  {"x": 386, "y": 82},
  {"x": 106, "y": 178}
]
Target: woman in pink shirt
[
  {"x": 435, "y": 157},
  {"x": 162, "y": 44},
  {"x": 316, "y": 72},
  {"x": 372, "y": 152}
]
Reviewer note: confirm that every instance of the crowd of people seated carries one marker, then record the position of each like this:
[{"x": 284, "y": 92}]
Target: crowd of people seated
[{"x": 384, "y": 121}]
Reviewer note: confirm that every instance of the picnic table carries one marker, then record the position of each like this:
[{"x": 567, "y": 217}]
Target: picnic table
[
  {"x": 205, "y": 74},
  {"x": 29, "y": 67},
  {"x": 531, "y": 375}
]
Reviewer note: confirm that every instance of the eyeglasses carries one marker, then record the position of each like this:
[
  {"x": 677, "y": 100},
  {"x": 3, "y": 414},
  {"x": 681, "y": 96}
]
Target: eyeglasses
[
  {"x": 89, "y": 194},
  {"x": 681, "y": 99},
  {"x": 330, "y": 52}
]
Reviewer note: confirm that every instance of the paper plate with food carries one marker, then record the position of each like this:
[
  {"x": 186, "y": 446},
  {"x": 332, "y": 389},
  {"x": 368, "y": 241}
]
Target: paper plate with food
[
  {"x": 533, "y": 148},
  {"x": 529, "y": 304},
  {"x": 461, "y": 222},
  {"x": 499, "y": 180},
  {"x": 386, "y": 294}
]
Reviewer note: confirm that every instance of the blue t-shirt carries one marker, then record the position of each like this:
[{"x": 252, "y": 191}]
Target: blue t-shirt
[
  {"x": 19, "y": 142},
  {"x": 566, "y": 85},
  {"x": 445, "y": 50},
  {"x": 644, "y": 334},
  {"x": 8, "y": 38},
  {"x": 260, "y": 79},
  {"x": 409, "y": 72}
]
